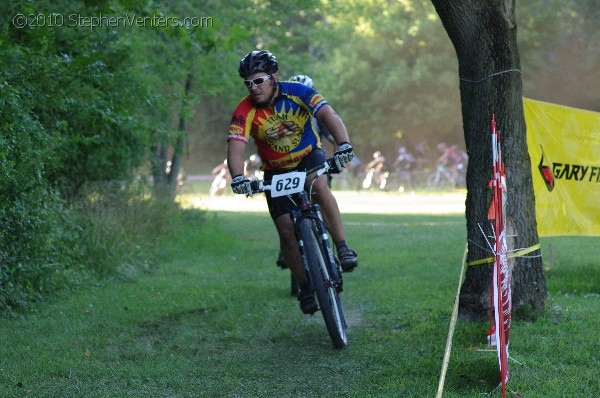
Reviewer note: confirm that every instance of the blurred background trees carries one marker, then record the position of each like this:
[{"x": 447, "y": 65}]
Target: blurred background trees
[{"x": 387, "y": 67}]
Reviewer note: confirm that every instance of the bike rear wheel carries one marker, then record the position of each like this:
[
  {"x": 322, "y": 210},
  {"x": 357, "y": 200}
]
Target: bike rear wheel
[{"x": 327, "y": 292}]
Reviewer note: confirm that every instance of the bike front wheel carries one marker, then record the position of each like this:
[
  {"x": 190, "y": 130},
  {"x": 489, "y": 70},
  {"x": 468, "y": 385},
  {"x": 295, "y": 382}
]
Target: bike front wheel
[
  {"x": 326, "y": 290},
  {"x": 436, "y": 181}
]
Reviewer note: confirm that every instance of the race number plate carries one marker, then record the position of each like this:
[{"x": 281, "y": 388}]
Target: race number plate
[{"x": 288, "y": 183}]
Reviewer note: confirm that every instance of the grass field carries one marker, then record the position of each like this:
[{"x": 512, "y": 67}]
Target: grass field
[{"x": 216, "y": 319}]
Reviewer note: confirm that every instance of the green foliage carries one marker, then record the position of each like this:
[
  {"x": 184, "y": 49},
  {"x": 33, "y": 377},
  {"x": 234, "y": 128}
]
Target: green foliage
[
  {"x": 394, "y": 74},
  {"x": 74, "y": 114},
  {"x": 76, "y": 83},
  {"x": 37, "y": 247},
  {"x": 558, "y": 44},
  {"x": 388, "y": 68}
]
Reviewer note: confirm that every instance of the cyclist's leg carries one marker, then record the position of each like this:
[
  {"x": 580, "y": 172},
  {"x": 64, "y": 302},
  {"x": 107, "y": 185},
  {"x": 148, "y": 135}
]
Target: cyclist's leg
[
  {"x": 324, "y": 197},
  {"x": 335, "y": 225},
  {"x": 291, "y": 253},
  {"x": 279, "y": 208},
  {"x": 289, "y": 247},
  {"x": 329, "y": 208}
]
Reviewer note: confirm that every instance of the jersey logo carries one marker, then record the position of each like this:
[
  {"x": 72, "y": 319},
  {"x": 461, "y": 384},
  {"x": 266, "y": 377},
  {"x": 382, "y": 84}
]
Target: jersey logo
[
  {"x": 283, "y": 129},
  {"x": 238, "y": 121},
  {"x": 315, "y": 100}
]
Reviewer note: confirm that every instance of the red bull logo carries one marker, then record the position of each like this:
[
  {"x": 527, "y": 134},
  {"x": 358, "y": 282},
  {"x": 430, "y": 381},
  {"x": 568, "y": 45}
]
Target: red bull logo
[{"x": 546, "y": 173}]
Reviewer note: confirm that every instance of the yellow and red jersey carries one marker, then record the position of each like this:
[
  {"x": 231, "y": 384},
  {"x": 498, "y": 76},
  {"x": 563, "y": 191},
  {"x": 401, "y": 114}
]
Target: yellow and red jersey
[{"x": 283, "y": 134}]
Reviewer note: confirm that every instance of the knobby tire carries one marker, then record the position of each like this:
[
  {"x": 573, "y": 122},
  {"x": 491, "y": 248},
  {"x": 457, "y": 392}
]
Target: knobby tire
[{"x": 327, "y": 294}]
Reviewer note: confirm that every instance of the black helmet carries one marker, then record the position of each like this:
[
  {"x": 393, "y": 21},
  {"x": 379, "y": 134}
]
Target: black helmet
[{"x": 258, "y": 61}]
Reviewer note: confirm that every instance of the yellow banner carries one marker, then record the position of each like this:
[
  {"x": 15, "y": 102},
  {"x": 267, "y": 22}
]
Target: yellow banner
[{"x": 564, "y": 146}]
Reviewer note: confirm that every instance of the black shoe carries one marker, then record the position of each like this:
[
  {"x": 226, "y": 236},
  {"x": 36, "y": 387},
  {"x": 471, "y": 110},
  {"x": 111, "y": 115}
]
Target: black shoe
[
  {"x": 348, "y": 259},
  {"x": 281, "y": 262},
  {"x": 308, "y": 304}
]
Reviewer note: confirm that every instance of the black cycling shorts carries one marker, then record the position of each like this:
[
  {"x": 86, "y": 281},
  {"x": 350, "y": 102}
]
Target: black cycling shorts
[{"x": 283, "y": 205}]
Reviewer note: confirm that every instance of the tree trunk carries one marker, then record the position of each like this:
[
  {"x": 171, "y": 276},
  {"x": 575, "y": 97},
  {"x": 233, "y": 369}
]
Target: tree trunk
[
  {"x": 180, "y": 143},
  {"x": 159, "y": 163},
  {"x": 168, "y": 182},
  {"x": 484, "y": 35}
]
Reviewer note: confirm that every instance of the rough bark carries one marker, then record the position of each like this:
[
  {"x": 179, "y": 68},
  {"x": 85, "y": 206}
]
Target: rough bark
[{"x": 484, "y": 35}]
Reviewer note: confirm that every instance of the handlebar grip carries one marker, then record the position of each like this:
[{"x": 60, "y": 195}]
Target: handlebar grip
[
  {"x": 256, "y": 186},
  {"x": 333, "y": 169}
]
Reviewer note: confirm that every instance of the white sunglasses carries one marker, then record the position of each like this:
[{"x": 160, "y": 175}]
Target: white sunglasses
[{"x": 257, "y": 81}]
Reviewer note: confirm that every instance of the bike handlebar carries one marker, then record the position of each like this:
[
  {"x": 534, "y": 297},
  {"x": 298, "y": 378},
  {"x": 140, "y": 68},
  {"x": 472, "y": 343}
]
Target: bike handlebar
[
  {"x": 259, "y": 186},
  {"x": 327, "y": 166}
]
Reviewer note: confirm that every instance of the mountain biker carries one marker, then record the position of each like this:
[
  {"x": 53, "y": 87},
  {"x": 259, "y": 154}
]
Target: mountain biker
[
  {"x": 276, "y": 115},
  {"x": 319, "y": 127},
  {"x": 453, "y": 158},
  {"x": 180, "y": 175},
  {"x": 379, "y": 162},
  {"x": 252, "y": 167},
  {"x": 451, "y": 155},
  {"x": 404, "y": 165},
  {"x": 222, "y": 178},
  {"x": 324, "y": 134},
  {"x": 378, "y": 169}
]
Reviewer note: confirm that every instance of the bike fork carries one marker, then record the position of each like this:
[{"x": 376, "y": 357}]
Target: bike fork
[{"x": 295, "y": 215}]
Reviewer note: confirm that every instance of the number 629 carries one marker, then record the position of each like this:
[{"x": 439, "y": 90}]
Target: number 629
[{"x": 288, "y": 183}]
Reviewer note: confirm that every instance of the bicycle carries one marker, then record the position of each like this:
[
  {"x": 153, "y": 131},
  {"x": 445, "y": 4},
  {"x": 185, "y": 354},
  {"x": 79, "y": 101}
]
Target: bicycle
[
  {"x": 219, "y": 184},
  {"x": 322, "y": 271},
  {"x": 444, "y": 175}
]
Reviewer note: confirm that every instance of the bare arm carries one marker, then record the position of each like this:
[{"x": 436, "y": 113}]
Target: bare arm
[
  {"x": 334, "y": 123},
  {"x": 235, "y": 157}
]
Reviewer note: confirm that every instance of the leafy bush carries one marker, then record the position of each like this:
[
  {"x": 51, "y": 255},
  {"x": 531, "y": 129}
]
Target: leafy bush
[
  {"x": 36, "y": 239},
  {"x": 73, "y": 115}
]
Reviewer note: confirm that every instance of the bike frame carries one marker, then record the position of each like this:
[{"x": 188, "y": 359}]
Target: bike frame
[
  {"x": 322, "y": 271},
  {"x": 308, "y": 210}
]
